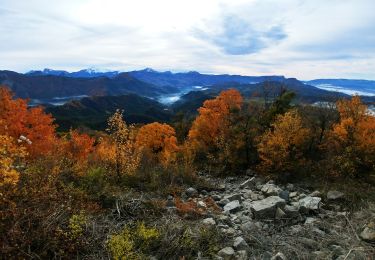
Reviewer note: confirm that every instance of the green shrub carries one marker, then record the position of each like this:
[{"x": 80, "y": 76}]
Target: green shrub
[{"x": 95, "y": 179}]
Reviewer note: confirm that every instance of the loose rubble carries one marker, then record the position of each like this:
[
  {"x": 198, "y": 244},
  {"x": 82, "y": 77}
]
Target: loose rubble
[{"x": 264, "y": 220}]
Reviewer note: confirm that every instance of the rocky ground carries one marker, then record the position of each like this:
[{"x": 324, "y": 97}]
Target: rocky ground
[{"x": 264, "y": 220}]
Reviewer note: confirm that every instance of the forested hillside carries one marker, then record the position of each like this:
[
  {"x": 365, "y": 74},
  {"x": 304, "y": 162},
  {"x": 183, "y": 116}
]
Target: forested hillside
[
  {"x": 50, "y": 86},
  {"x": 93, "y": 112}
]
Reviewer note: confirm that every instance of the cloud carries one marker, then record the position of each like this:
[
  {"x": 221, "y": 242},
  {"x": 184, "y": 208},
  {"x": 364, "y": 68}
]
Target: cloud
[
  {"x": 276, "y": 33},
  {"x": 297, "y": 38},
  {"x": 236, "y": 36}
]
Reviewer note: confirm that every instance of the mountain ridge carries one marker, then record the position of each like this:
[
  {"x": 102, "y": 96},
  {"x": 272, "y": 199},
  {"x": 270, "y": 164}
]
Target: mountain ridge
[
  {"x": 153, "y": 84},
  {"x": 50, "y": 86}
]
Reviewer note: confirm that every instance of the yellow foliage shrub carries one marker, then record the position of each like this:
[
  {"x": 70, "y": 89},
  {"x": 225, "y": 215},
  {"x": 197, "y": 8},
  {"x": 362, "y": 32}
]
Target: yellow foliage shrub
[
  {"x": 76, "y": 225},
  {"x": 121, "y": 246},
  {"x": 117, "y": 152},
  {"x": 132, "y": 242},
  {"x": 9, "y": 154}
]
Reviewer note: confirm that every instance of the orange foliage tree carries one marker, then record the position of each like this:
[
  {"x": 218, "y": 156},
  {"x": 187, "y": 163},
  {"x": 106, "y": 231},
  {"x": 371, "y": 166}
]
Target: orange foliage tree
[
  {"x": 354, "y": 137},
  {"x": 213, "y": 131},
  {"x": 281, "y": 148},
  {"x": 17, "y": 120},
  {"x": 158, "y": 141},
  {"x": 73, "y": 152},
  {"x": 212, "y": 123},
  {"x": 79, "y": 146}
]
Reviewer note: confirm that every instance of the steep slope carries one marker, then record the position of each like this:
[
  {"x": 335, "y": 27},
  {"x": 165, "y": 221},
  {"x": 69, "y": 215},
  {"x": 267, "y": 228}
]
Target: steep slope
[{"x": 93, "y": 112}]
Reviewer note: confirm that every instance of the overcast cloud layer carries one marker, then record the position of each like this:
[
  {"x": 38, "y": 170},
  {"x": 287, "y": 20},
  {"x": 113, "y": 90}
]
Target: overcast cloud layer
[{"x": 295, "y": 38}]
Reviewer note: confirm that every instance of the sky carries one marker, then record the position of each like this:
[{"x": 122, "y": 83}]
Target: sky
[{"x": 305, "y": 39}]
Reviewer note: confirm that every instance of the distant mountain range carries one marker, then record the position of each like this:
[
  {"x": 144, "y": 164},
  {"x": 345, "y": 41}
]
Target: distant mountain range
[
  {"x": 49, "y": 84},
  {"x": 166, "y": 78},
  {"x": 88, "y": 97},
  {"x": 192, "y": 78},
  {"x": 86, "y": 73}
]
